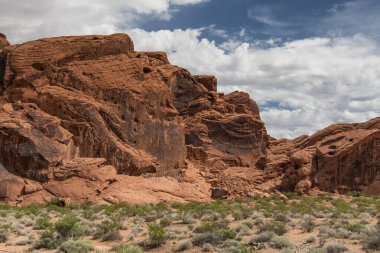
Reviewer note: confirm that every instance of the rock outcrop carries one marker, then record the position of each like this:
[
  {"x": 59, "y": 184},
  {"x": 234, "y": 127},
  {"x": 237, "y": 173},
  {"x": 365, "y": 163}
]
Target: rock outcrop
[
  {"x": 339, "y": 158},
  {"x": 87, "y": 118}
]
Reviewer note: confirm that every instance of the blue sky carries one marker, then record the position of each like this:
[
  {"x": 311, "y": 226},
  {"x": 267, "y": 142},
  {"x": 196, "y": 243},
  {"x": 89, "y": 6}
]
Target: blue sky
[
  {"x": 261, "y": 19},
  {"x": 307, "y": 63},
  {"x": 266, "y": 19}
]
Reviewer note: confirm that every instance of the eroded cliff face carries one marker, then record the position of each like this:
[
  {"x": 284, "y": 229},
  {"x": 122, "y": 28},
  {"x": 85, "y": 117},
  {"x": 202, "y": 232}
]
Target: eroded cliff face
[
  {"x": 339, "y": 158},
  {"x": 93, "y": 97},
  {"x": 87, "y": 118}
]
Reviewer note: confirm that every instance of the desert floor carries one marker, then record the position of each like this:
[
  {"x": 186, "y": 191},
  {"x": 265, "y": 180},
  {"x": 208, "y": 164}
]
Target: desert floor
[{"x": 280, "y": 223}]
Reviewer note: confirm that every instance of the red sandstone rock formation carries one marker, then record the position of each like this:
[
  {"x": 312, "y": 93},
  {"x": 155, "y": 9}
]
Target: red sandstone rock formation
[
  {"x": 87, "y": 118},
  {"x": 342, "y": 157}
]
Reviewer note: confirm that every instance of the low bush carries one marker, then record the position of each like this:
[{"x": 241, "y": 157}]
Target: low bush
[
  {"x": 108, "y": 230},
  {"x": 282, "y": 218},
  {"x": 42, "y": 223},
  {"x": 121, "y": 248},
  {"x": 372, "y": 241},
  {"x": 275, "y": 226},
  {"x": 68, "y": 227},
  {"x": 206, "y": 238},
  {"x": 335, "y": 248},
  {"x": 185, "y": 246},
  {"x": 308, "y": 223},
  {"x": 355, "y": 228},
  {"x": 157, "y": 236},
  {"x": 263, "y": 237},
  {"x": 48, "y": 240},
  {"x": 243, "y": 229},
  {"x": 79, "y": 246},
  {"x": 63, "y": 230},
  {"x": 166, "y": 221},
  {"x": 311, "y": 239},
  {"x": 3, "y": 236},
  {"x": 280, "y": 242},
  {"x": 188, "y": 219},
  {"x": 207, "y": 247},
  {"x": 234, "y": 246},
  {"x": 220, "y": 229}
]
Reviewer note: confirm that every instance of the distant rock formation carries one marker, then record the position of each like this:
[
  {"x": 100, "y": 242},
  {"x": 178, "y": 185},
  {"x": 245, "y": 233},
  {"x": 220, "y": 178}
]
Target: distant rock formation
[
  {"x": 87, "y": 118},
  {"x": 339, "y": 158}
]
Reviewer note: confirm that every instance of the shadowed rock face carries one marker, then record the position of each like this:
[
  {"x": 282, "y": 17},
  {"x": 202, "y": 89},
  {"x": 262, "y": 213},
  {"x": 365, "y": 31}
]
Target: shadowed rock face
[{"x": 90, "y": 119}]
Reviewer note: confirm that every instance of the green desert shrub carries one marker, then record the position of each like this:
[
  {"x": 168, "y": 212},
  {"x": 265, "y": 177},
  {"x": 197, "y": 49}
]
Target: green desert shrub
[
  {"x": 42, "y": 223},
  {"x": 280, "y": 242},
  {"x": 282, "y": 218},
  {"x": 48, "y": 240},
  {"x": 108, "y": 230},
  {"x": 210, "y": 227},
  {"x": 64, "y": 229},
  {"x": 233, "y": 246},
  {"x": 243, "y": 229},
  {"x": 206, "y": 238},
  {"x": 220, "y": 229},
  {"x": 68, "y": 227},
  {"x": 166, "y": 221},
  {"x": 226, "y": 233},
  {"x": 277, "y": 227},
  {"x": 121, "y": 248},
  {"x": 341, "y": 206},
  {"x": 263, "y": 237},
  {"x": 157, "y": 236},
  {"x": 79, "y": 246},
  {"x": 355, "y": 228}
]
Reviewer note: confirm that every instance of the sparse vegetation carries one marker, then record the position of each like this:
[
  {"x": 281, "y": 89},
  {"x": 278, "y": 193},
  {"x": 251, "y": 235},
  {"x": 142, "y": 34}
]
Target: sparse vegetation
[{"x": 245, "y": 225}]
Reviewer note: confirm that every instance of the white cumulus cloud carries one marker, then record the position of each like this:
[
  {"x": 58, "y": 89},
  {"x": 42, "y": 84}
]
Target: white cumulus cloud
[
  {"x": 301, "y": 86},
  {"x": 23, "y": 20}
]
